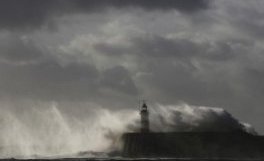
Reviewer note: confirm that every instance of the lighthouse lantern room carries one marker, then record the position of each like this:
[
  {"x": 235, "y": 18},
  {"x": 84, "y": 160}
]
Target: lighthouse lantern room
[{"x": 144, "y": 118}]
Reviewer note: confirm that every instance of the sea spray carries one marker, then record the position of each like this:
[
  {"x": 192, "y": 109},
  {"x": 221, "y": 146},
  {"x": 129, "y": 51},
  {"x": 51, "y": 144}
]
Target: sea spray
[
  {"x": 52, "y": 132},
  {"x": 189, "y": 118}
]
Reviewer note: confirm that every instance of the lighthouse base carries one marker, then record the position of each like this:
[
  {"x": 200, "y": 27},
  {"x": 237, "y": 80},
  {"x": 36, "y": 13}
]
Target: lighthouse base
[{"x": 193, "y": 144}]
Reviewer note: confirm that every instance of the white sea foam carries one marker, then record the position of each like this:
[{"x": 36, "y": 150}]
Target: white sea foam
[{"x": 47, "y": 132}]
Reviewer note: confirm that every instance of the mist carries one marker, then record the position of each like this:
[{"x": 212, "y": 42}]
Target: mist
[
  {"x": 50, "y": 132},
  {"x": 54, "y": 132},
  {"x": 188, "y": 118}
]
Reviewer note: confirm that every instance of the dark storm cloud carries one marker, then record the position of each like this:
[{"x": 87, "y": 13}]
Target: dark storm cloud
[
  {"x": 118, "y": 78},
  {"x": 25, "y": 13},
  {"x": 181, "y": 69},
  {"x": 169, "y": 62},
  {"x": 30, "y": 14},
  {"x": 156, "y": 46},
  {"x": 177, "y": 83},
  {"x": 182, "y": 82},
  {"x": 248, "y": 17},
  {"x": 15, "y": 49},
  {"x": 30, "y": 71},
  {"x": 47, "y": 81},
  {"x": 253, "y": 81},
  {"x": 182, "y": 5},
  {"x": 51, "y": 81}
]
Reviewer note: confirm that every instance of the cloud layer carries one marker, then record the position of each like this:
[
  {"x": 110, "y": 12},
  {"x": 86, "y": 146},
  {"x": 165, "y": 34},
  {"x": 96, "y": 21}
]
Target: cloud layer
[
  {"x": 28, "y": 14},
  {"x": 112, "y": 53}
]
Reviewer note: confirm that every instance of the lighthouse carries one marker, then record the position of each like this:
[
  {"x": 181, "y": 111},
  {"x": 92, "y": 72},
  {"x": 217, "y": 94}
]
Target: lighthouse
[{"x": 144, "y": 118}]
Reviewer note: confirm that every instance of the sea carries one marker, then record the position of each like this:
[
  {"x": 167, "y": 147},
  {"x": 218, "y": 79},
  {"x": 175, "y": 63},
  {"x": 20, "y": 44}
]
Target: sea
[{"x": 134, "y": 159}]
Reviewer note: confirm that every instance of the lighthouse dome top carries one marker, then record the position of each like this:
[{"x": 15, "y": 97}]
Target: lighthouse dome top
[{"x": 144, "y": 106}]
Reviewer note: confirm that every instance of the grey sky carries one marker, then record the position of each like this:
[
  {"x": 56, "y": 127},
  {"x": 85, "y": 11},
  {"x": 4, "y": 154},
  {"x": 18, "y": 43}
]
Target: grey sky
[{"x": 113, "y": 52}]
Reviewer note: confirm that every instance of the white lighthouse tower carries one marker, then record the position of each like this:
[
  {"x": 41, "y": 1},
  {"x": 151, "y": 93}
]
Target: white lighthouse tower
[{"x": 144, "y": 118}]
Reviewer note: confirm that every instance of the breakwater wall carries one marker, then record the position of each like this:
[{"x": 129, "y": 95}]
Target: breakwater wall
[{"x": 193, "y": 144}]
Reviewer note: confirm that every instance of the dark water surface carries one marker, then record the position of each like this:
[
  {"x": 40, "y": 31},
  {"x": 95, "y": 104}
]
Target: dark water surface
[{"x": 136, "y": 159}]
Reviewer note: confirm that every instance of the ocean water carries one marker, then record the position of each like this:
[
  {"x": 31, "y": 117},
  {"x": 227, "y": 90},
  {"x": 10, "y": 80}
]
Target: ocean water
[{"x": 135, "y": 159}]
